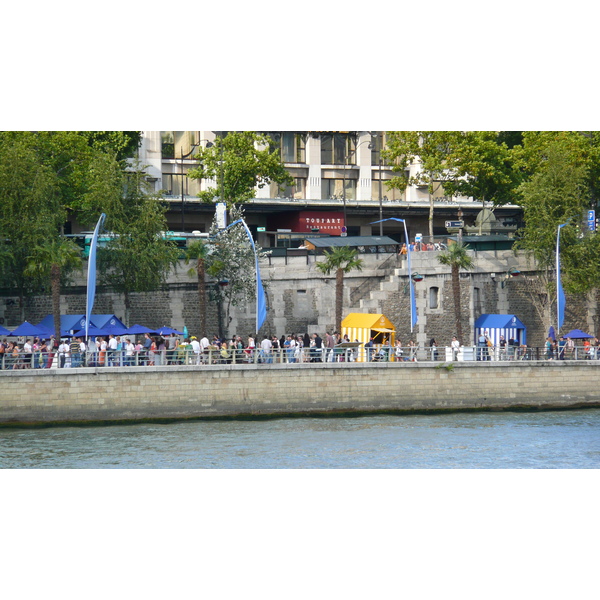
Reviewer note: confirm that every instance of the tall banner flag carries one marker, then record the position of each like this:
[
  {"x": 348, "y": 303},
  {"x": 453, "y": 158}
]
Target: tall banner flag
[
  {"x": 560, "y": 294},
  {"x": 91, "y": 275},
  {"x": 261, "y": 300},
  {"x": 413, "y": 302}
]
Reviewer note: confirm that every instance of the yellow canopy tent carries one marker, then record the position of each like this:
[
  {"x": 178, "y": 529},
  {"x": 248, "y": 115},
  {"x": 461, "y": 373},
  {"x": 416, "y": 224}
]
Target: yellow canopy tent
[{"x": 364, "y": 326}]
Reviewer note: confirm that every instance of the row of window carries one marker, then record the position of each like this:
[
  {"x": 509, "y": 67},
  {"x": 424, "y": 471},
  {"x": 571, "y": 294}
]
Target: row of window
[
  {"x": 336, "y": 148},
  {"x": 174, "y": 184}
]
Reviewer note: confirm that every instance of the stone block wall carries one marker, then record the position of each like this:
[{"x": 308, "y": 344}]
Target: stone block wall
[
  {"x": 301, "y": 299},
  {"x": 129, "y": 393}
]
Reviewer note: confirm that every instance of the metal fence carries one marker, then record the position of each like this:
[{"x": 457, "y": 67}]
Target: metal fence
[{"x": 214, "y": 356}]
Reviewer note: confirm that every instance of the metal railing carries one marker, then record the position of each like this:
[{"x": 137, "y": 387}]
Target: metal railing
[{"x": 214, "y": 356}]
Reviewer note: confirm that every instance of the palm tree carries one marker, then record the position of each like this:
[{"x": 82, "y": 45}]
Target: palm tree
[
  {"x": 457, "y": 258},
  {"x": 341, "y": 259},
  {"x": 51, "y": 260},
  {"x": 199, "y": 252}
]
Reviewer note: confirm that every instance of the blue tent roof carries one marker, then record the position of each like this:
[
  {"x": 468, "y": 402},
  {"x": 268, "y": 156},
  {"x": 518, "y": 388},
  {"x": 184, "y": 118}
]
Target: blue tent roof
[
  {"x": 26, "y": 328},
  {"x": 4, "y": 331},
  {"x": 105, "y": 321},
  {"x": 67, "y": 323},
  {"x": 76, "y": 322},
  {"x": 577, "y": 334},
  {"x": 498, "y": 322}
]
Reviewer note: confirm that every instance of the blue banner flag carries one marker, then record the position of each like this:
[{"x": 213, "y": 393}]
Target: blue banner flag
[
  {"x": 91, "y": 275},
  {"x": 560, "y": 294},
  {"x": 261, "y": 299},
  {"x": 413, "y": 301}
]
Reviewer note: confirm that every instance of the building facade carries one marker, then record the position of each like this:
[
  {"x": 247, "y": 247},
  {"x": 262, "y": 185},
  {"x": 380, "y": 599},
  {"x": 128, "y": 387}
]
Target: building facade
[{"x": 340, "y": 187}]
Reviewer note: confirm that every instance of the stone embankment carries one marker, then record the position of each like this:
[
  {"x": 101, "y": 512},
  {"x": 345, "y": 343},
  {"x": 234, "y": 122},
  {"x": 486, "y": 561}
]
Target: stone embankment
[{"x": 121, "y": 394}]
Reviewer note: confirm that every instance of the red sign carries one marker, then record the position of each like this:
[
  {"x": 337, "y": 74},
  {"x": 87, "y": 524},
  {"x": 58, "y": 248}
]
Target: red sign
[
  {"x": 325, "y": 222},
  {"x": 307, "y": 221}
]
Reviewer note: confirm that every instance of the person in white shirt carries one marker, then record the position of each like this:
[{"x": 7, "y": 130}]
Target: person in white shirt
[
  {"x": 129, "y": 350},
  {"x": 265, "y": 350},
  {"x": 28, "y": 352},
  {"x": 112, "y": 350},
  {"x": 455, "y": 344},
  {"x": 204, "y": 344},
  {"x": 63, "y": 353},
  {"x": 196, "y": 348},
  {"x": 82, "y": 352}
]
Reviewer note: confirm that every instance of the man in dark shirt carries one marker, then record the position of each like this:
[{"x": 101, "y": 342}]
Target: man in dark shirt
[{"x": 317, "y": 349}]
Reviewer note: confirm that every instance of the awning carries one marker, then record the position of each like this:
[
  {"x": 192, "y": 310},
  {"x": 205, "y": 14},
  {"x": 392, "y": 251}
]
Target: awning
[{"x": 376, "y": 322}]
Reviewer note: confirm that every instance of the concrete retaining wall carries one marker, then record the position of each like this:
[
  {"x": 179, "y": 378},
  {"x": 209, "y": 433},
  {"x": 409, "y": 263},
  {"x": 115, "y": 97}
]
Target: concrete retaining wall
[{"x": 139, "y": 393}]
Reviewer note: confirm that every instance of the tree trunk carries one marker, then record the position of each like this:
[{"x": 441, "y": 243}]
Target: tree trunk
[
  {"x": 127, "y": 299},
  {"x": 456, "y": 294},
  {"x": 55, "y": 287},
  {"x": 431, "y": 217},
  {"x": 339, "y": 298}
]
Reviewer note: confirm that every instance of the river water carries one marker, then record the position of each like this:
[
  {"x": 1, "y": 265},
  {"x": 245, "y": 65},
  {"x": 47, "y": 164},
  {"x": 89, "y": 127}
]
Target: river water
[{"x": 483, "y": 440}]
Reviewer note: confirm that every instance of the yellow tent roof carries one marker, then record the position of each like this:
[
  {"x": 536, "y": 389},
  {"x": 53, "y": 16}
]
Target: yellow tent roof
[{"x": 368, "y": 321}]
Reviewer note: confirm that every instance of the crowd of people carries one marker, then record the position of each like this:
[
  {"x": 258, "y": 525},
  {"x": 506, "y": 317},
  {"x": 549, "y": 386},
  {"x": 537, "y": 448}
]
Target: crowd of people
[{"x": 155, "y": 350}]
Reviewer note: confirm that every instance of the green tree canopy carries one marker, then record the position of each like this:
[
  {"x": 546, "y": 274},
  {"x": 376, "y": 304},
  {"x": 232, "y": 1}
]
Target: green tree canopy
[
  {"x": 238, "y": 162},
  {"x": 138, "y": 257},
  {"x": 232, "y": 259}
]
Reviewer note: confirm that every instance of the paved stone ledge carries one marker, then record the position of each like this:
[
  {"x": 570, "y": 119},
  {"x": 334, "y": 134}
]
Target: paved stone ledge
[{"x": 118, "y": 394}]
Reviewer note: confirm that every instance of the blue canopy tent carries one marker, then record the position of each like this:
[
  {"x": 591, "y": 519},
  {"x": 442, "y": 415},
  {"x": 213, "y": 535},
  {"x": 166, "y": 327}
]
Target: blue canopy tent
[
  {"x": 4, "y": 331},
  {"x": 27, "y": 329},
  {"x": 139, "y": 329},
  {"x": 92, "y": 332},
  {"x": 71, "y": 323},
  {"x": 510, "y": 326},
  {"x": 577, "y": 334},
  {"x": 68, "y": 323},
  {"x": 167, "y": 331},
  {"x": 110, "y": 323}
]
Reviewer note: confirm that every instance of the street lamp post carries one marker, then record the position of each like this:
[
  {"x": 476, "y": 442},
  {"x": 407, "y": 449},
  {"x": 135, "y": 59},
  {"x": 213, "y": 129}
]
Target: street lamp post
[{"x": 380, "y": 198}]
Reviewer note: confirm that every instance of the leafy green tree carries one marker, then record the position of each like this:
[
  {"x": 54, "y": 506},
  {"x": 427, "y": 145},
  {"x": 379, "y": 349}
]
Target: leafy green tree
[
  {"x": 239, "y": 162},
  {"x": 121, "y": 144},
  {"x": 53, "y": 261},
  {"x": 430, "y": 149},
  {"x": 556, "y": 193},
  {"x": 475, "y": 164},
  {"x": 232, "y": 260},
  {"x": 482, "y": 167},
  {"x": 31, "y": 213},
  {"x": 138, "y": 257},
  {"x": 199, "y": 251},
  {"x": 341, "y": 259},
  {"x": 456, "y": 257}
]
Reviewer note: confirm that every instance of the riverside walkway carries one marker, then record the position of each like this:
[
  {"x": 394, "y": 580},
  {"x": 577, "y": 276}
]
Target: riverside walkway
[{"x": 300, "y": 356}]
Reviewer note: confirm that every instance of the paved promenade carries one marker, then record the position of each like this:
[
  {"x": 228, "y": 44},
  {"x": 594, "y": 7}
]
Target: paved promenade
[{"x": 118, "y": 394}]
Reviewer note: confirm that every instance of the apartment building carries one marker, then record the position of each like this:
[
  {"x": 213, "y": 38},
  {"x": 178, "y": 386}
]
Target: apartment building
[{"x": 340, "y": 188}]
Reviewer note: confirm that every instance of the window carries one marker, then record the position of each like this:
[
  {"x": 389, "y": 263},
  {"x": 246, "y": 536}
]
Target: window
[
  {"x": 338, "y": 149},
  {"x": 176, "y": 144},
  {"x": 296, "y": 191},
  {"x": 377, "y": 145},
  {"x": 387, "y": 193},
  {"x": 291, "y": 144},
  {"x": 172, "y": 184},
  {"x": 434, "y": 297},
  {"x": 334, "y": 189}
]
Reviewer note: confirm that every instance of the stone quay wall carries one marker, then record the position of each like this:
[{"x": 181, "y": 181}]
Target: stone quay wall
[{"x": 121, "y": 394}]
